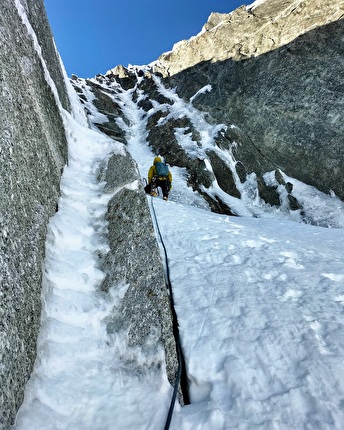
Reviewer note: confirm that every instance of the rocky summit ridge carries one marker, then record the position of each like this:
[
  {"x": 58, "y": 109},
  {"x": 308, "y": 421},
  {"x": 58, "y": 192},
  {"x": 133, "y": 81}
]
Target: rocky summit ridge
[{"x": 249, "y": 31}]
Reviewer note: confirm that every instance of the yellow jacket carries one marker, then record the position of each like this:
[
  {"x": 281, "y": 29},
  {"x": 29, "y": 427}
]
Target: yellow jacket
[{"x": 152, "y": 171}]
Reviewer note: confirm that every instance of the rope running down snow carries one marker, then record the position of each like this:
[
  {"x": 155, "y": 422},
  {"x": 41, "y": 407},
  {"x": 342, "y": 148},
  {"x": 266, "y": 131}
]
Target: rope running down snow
[{"x": 175, "y": 326}]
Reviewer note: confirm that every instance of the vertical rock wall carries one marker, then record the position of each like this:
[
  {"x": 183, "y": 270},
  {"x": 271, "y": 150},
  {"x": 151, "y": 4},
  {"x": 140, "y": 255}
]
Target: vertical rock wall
[
  {"x": 287, "y": 105},
  {"x": 33, "y": 152}
]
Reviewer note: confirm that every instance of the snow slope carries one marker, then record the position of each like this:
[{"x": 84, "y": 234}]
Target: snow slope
[
  {"x": 260, "y": 306},
  {"x": 260, "y": 303}
]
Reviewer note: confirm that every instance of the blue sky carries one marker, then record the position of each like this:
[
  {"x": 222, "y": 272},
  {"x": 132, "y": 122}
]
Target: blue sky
[{"x": 93, "y": 36}]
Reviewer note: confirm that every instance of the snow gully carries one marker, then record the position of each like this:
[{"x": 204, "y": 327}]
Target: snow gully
[{"x": 181, "y": 377}]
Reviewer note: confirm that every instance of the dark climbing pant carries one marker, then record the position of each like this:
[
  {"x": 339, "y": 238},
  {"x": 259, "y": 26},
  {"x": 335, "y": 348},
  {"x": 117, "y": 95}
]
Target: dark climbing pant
[{"x": 164, "y": 184}]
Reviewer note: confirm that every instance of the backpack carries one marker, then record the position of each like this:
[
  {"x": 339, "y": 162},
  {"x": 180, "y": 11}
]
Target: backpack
[{"x": 161, "y": 169}]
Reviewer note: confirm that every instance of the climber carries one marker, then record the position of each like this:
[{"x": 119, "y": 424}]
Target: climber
[{"x": 159, "y": 175}]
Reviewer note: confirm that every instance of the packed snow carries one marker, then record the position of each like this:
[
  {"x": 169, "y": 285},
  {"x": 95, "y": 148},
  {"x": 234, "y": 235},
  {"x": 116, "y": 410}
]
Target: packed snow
[
  {"x": 259, "y": 299},
  {"x": 255, "y": 4}
]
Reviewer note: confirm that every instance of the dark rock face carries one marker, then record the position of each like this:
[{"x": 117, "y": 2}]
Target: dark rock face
[
  {"x": 223, "y": 174},
  {"x": 286, "y": 105},
  {"x": 32, "y": 155},
  {"x": 108, "y": 107},
  {"x": 163, "y": 140}
]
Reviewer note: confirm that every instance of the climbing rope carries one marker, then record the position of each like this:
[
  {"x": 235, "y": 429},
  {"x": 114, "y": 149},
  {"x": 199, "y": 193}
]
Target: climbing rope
[{"x": 181, "y": 364}]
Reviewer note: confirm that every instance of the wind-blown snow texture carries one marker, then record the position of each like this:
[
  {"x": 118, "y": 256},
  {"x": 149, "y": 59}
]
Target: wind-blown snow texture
[{"x": 260, "y": 303}]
